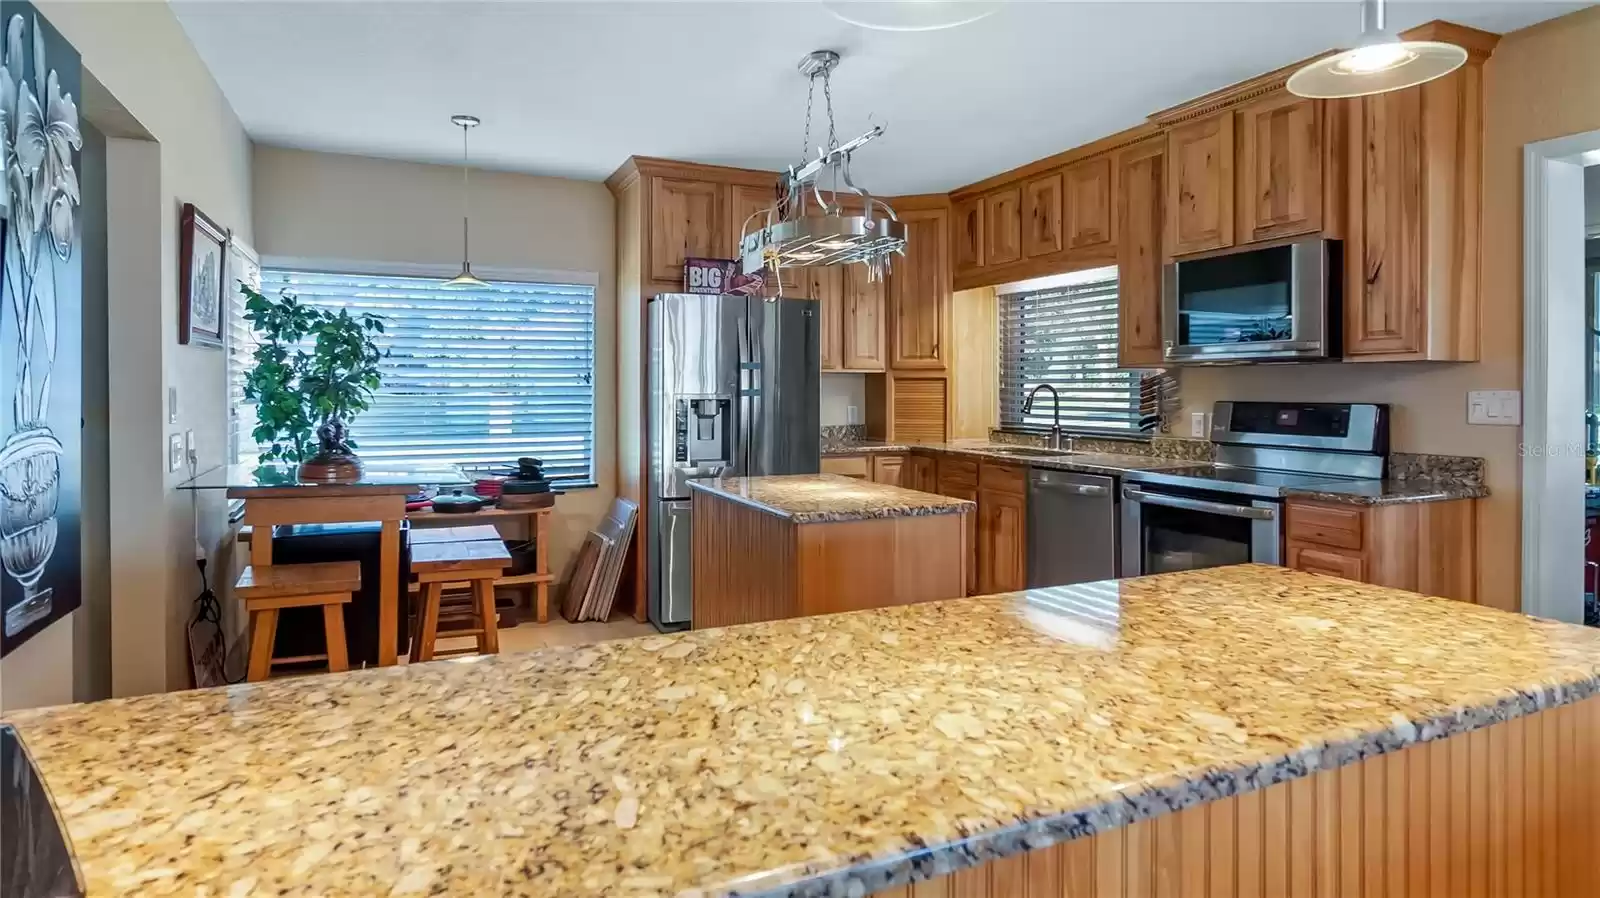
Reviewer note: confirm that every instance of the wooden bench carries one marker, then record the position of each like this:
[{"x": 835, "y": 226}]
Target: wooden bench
[
  {"x": 266, "y": 589},
  {"x": 477, "y": 563}
]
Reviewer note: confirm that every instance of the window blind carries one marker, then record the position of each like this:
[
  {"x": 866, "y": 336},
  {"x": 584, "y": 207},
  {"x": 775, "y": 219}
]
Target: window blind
[
  {"x": 473, "y": 376},
  {"x": 1066, "y": 337}
]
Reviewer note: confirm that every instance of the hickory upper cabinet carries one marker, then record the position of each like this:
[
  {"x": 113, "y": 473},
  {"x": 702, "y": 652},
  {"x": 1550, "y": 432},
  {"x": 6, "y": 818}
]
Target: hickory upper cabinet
[
  {"x": 1042, "y": 215},
  {"x": 966, "y": 235},
  {"x": 686, "y": 221},
  {"x": 1002, "y": 226},
  {"x": 1289, "y": 165},
  {"x": 861, "y": 314},
  {"x": 1140, "y": 220},
  {"x": 1091, "y": 208},
  {"x": 1252, "y": 163},
  {"x": 1412, "y": 247},
  {"x": 919, "y": 289},
  {"x": 1199, "y": 159},
  {"x": 1048, "y": 217}
]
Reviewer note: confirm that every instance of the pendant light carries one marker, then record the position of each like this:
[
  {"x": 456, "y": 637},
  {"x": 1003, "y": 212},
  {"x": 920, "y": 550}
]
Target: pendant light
[
  {"x": 1380, "y": 63},
  {"x": 909, "y": 15},
  {"x": 466, "y": 278}
]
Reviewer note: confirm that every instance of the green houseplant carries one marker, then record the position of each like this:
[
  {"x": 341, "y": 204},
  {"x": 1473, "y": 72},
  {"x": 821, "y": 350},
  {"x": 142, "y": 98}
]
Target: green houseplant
[{"x": 307, "y": 395}]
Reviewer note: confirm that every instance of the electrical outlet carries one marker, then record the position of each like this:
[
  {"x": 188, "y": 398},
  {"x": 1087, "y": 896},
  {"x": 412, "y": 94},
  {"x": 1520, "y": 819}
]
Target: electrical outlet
[
  {"x": 191, "y": 455},
  {"x": 1197, "y": 425},
  {"x": 852, "y": 414},
  {"x": 174, "y": 452}
]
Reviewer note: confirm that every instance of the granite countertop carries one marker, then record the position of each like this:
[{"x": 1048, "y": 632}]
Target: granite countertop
[
  {"x": 786, "y": 758},
  {"x": 863, "y": 447},
  {"x": 829, "y": 498},
  {"x": 1349, "y": 492}
]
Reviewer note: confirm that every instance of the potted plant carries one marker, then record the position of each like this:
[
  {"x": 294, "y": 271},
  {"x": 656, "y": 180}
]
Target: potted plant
[{"x": 315, "y": 370}]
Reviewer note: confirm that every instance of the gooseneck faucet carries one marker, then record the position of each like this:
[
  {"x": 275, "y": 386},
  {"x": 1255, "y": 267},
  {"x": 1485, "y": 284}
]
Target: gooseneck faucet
[{"x": 1055, "y": 402}]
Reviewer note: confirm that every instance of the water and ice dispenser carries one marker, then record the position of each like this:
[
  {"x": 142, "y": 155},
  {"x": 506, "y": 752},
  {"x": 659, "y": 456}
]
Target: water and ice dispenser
[{"x": 703, "y": 434}]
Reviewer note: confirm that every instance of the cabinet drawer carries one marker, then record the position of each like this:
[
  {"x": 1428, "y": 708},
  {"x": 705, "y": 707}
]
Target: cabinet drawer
[
  {"x": 1314, "y": 560},
  {"x": 1004, "y": 478},
  {"x": 1326, "y": 525},
  {"x": 846, "y": 465},
  {"x": 957, "y": 472}
]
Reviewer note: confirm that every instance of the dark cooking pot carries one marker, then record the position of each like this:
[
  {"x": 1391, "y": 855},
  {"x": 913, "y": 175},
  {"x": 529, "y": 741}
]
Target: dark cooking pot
[{"x": 456, "y": 503}]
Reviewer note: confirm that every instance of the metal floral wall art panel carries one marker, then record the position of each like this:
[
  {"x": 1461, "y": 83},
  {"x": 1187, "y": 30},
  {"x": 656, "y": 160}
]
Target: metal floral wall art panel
[{"x": 40, "y": 326}]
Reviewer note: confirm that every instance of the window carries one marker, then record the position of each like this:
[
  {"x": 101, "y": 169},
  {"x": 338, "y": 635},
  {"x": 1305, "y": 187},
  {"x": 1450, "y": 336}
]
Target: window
[
  {"x": 473, "y": 376},
  {"x": 1064, "y": 333},
  {"x": 244, "y": 268}
]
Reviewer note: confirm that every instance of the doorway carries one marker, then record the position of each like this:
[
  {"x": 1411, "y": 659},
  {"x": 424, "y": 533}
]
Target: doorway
[{"x": 1558, "y": 343}]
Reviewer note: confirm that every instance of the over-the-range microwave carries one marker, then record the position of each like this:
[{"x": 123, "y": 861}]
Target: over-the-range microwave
[{"x": 1275, "y": 302}]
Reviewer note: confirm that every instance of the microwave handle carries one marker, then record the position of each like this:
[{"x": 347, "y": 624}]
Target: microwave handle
[{"x": 1184, "y": 502}]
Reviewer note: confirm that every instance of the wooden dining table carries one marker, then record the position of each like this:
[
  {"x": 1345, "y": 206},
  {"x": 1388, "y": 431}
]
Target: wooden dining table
[{"x": 273, "y": 495}]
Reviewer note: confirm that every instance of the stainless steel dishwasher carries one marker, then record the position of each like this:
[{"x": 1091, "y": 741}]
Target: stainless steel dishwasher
[{"x": 1072, "y": 528}]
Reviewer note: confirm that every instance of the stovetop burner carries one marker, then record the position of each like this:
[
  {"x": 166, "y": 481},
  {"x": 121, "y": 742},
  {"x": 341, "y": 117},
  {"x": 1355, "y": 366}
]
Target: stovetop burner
[{"x": 1226, "y": 478}]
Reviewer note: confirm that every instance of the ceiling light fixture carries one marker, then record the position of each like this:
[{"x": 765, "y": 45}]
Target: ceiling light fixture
[
  {"x": 466, "y": 278},
  {"x": 909, "y": 15},
  {"x": 807, "y": 226},
  {"x": 1380, "y": 63}
]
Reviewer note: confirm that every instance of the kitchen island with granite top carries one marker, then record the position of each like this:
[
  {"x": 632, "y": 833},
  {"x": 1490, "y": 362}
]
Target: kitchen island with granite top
[
  {"x": 1233, "y": 731},
  {"x": 770, "y": 548}
]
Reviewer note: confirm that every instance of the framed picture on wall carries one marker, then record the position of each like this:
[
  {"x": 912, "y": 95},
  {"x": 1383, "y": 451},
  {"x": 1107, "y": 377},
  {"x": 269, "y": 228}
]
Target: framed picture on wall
[{"x": 202, "y": 278}]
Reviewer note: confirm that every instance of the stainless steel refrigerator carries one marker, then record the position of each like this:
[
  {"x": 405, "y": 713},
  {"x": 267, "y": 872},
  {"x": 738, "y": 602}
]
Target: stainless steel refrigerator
[{"x": 734, "y": 390}]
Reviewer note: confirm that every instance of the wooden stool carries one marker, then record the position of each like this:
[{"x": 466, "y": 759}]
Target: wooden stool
[
  {"x": 477, "y": 564},
  {"x": 268, "y": 588}
]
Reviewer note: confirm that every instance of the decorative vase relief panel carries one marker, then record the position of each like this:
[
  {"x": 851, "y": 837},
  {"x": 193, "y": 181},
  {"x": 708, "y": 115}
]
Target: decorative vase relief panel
[{"x": 41, "y": 341}]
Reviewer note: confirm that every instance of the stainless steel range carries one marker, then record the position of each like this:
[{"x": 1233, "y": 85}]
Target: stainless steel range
[{"x": 1231, "y": 511}]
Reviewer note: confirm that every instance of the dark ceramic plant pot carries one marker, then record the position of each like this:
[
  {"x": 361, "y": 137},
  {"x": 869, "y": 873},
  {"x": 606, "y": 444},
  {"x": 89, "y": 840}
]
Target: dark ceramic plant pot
[{"x": 334, "y": 462}]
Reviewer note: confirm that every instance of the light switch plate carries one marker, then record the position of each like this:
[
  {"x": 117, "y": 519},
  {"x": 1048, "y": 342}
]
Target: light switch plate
[
  {"x": 1197, "y": 425},
  {"x": 172, "y": 405},
  {"x": 191, "y": 455},
  {"x": 1495, "y": 407},
  {"x": 174, "y": 451}
]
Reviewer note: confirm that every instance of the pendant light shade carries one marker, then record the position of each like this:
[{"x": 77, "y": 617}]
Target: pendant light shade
[
  {"x": 1380, "y": 64},
  {"x": 909, "y": 15},
  {"x": 466, "y": 278}
]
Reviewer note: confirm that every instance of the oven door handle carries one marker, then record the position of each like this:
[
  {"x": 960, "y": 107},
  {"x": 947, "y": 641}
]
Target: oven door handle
[{"x": 1184, "y": 502}]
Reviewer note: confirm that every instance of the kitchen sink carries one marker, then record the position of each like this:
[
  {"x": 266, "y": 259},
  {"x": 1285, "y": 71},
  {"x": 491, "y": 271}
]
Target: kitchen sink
[{"x": 1026, "y": 452}]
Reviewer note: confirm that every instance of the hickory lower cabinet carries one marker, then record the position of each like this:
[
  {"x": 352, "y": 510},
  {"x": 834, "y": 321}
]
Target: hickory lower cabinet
[
  {"x": 999, "y": 542},
  {"x": 885, "y": 468},
  {"x": 1426, "y": 547}
]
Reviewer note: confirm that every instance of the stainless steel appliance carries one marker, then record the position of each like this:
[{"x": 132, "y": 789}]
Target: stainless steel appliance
[
  {"x": 1072, "y": 528},
  {"x": 734, "y": 389},
  {"x": 1231, "y": 511},
  {"x": 1274, "y": 302}
]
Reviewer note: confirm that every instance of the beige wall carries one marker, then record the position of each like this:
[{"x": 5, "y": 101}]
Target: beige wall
[
  {"x": 1542, "y": 82},
  {"x": 143, "y": 58},
  {"x": 356, "y": 209}
]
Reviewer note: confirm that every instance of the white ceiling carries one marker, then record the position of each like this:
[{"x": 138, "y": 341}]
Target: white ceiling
[{"x": 573, "y": 88}]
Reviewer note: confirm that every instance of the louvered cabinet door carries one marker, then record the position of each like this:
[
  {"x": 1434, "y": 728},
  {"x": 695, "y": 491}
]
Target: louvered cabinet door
[{"x": 919, "y": 409}]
